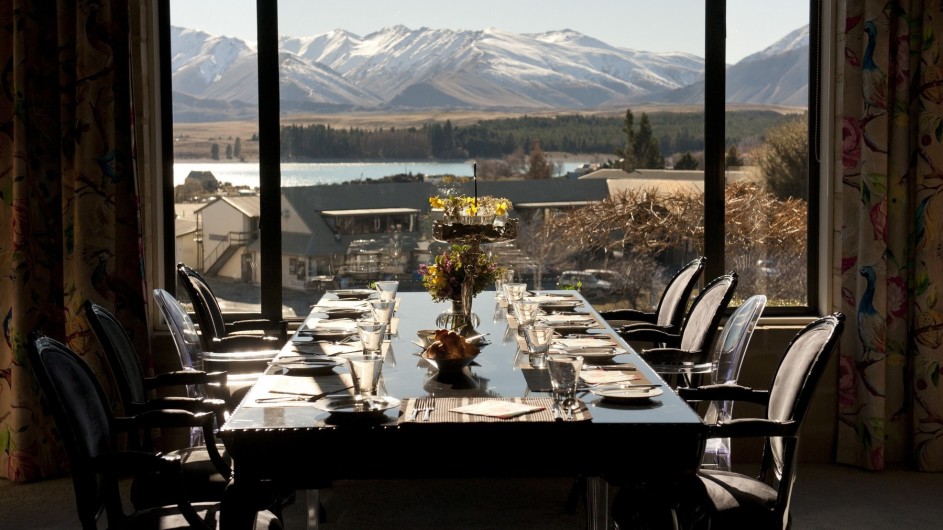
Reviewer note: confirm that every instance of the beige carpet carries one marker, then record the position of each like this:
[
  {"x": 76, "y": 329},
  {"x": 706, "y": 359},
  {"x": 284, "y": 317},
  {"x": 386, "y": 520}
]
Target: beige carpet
[{"x": 826, "y": 497}]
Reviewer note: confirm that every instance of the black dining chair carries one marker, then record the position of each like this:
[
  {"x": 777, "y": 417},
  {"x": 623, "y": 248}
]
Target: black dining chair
[
  {"x": 205, "y": 465},
  {"x": 671, "y": 307},
  {"x": 88, "y": 431},
  {"x": 216, "y": 334},
  {"x": 724, "y": 499},
  {"x": 687, "y": 354}
]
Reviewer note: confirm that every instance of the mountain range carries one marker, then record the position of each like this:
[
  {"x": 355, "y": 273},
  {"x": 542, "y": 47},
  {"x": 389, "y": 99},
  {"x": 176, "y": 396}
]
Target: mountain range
[{"x": 214, "y": 77}]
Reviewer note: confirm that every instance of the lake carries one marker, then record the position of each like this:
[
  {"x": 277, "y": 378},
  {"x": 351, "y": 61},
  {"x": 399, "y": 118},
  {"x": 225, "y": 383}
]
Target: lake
[{"x": 309, "y": 174}]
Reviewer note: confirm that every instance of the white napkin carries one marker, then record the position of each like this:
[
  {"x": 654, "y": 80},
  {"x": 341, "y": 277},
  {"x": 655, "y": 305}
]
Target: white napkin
[
  {"x": 602, "y": 377},
  {"x": 497, "y": 409}
]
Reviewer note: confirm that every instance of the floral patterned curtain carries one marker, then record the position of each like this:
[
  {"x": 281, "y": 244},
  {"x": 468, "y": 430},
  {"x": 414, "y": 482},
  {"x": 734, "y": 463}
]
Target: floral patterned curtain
[
  {"x": 890, "y": 96},
  {"x": 69, "y": 213}
]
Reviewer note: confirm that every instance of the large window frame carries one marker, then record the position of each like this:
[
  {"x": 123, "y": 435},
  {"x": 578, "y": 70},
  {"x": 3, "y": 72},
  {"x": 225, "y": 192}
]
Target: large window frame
[{"x": 714, "y": 170}]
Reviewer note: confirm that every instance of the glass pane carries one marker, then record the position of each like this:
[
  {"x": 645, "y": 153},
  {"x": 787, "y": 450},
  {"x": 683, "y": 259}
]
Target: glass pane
[
  {"x": 389, "y": 103},
  {"x": 216, "y": 172},
  {"x": 767, "y": 148}
]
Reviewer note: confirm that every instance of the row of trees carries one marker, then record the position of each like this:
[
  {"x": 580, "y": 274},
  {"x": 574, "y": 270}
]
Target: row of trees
[
  {"x": 662, "y": 133},
  {"x": 233, "y": 150}
]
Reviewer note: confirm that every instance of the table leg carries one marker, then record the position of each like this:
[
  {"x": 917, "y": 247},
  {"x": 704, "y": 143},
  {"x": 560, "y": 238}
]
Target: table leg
[
  {"x": 313, "y": 501},
  {"x": 597, "y": 503}
]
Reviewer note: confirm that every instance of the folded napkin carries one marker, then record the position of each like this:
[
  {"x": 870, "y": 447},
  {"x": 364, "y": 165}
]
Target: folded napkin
[
  {"x": 497, "y": 409},
  {"x": 346, "y": 304},
  {"x": 600, "y": 377},
  {"x": 566, "y": 320},
  {"x": 585, "y": 342}
]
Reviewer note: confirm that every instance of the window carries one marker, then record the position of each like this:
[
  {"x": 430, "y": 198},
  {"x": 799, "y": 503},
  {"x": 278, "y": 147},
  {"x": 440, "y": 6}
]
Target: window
[{"x": 374, "y": 114}]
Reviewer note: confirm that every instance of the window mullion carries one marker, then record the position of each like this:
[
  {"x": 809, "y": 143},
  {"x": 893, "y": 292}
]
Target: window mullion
[
  {"x": 715, "y": 73},
  {"x": 269, "y": 160}
]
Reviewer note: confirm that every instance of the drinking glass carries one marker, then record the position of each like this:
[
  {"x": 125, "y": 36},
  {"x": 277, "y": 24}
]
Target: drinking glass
[
  {"x": 525, "y": 312},
  {"x": 514, "y": 291},
  {"x": 383, "y": 311},
  {"x": 537, "y": 338},
  {"x": 503, "y": 277},
  {"x": 365, "y": 373},
  {"x": 371, "y": 335},
  {"x": 387, "y": 289},
  {"x": 564, "y": 374}
]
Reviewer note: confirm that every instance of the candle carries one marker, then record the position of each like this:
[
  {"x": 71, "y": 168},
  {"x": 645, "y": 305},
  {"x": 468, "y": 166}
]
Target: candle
[{"x": 475, "y": 178}]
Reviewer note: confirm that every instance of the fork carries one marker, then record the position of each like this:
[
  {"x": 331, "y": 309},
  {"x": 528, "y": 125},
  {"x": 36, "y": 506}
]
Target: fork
[
  {"x": 417, "y": 408},
  {"x": 430, "y": 406}
]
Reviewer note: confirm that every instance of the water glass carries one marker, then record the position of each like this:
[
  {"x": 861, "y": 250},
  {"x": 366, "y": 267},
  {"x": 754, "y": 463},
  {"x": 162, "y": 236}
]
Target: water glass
[
  {"x": 538, "y": 338},
  {"x": 383, "y": 310},
  {"x": 365, "y": 373},
  {"x": 503, "y": 277},
  {"x": 371, "y": 335},
  {"x": 514, "y": 291},
  {"x": 564, "y": 374},
  {"x": 525, "y": 312},
  {"x": 387, "y": 289}
]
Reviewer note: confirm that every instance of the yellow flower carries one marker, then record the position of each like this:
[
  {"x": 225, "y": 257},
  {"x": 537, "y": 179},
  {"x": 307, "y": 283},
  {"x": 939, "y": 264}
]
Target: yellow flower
[
  {"x": 501, "y": 208},
  {"x": 436, "y": 202}
]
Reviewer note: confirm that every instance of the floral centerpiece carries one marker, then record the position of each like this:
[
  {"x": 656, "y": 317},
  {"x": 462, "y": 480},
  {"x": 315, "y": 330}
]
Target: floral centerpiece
[
  {"x": 458, "y": 274},
  {"x": 446, "y": 276}
]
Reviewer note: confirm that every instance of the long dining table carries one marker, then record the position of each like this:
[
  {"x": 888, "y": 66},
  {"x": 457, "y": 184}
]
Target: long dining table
[{"x": 279, "y": 439}]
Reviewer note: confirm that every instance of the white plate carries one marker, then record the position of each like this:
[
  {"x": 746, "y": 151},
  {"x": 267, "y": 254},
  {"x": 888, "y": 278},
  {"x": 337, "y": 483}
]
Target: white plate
[
  {"x": 356, "y": 294},
  {"x": 350, "y": 405},
  {"x": 625, "y": 392},
  {"x": 589, "y": 352},
  {"x": 342, "y": 312}
]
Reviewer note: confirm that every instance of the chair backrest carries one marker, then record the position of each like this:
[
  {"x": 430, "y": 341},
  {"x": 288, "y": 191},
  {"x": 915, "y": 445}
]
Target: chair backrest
[
  {"x": 674, "y": 299},
  {"x": 795, "y": 379},
  {"x": 125, "y": 364},
  {"x": 703, "y": 318},
  {"x": 730, "y": 350},
  {"x": 208, "y": 313},
  {"x": 184, "y": 333},
  {"x": 83, "y": 419}
]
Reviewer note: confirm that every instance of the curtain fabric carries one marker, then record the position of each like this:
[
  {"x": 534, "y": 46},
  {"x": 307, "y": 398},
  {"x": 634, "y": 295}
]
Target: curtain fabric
[
  {"x": 69, "y": 212},
  {"x": 890, "y": 96}
]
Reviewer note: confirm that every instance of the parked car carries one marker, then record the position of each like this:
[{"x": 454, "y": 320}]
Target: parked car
[{"x": 588, "y": 283}]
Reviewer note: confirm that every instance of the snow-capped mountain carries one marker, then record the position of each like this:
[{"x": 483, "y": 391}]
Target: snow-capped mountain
[
  {"x": 398, "y": 67},
  {"x": 777, "y": 75}
]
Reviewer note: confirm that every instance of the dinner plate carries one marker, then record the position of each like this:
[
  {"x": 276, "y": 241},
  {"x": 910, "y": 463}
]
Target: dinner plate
[
  {"x": 560, "y": 305},
  {"x": 350, "y": 405},
  {"x": 329, "y": 334},
  {"x": 356, "y": 294},
  {"x": 342, "y": 312},
  {"x": 625, "y": 392}
]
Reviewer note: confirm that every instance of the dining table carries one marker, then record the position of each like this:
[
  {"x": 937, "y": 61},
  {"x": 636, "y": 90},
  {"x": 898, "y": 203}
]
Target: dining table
[{"x": 296, "y": 428}]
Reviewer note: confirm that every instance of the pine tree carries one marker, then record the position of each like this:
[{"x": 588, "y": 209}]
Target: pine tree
[
  {"x": 647, "y": 148},
  {"x": 237, "y": 148},
  {"x": 537, "y": 165},
  {"x": 214, "y": 151},
  {"x": 687, "y": 161},
  {"x": 228, "y": 151},
  {"x": 628, "y": 154}
]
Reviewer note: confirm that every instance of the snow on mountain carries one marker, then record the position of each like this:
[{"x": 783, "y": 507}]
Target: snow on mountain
[
  {"x": 401, "y": 67},
  {"x": 793, "y": 41}
]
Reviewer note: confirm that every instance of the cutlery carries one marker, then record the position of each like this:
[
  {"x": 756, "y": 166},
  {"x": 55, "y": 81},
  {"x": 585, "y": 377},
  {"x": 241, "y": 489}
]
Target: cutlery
[
  {"x": 555, "y": 408},
  {"x": 619, "y": 386},
  {"x": 619, "y": 367},
  {"x": 298, "y": 396},
  {"x": 430, "y": 406}
]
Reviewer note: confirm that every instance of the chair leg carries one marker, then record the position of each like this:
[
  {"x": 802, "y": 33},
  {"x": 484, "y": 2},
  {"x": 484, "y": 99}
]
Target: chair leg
[
  {"x": 597, "y": 503},
  {"x": 576, "y": 491},
  {"x": 316, "y": 512}
]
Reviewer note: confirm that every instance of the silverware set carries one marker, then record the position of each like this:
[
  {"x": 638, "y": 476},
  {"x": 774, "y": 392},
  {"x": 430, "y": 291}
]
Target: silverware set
[{"x": 424, "y": 405}]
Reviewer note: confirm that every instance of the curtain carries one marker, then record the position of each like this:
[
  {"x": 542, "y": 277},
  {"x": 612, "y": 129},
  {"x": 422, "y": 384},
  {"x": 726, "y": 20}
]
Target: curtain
[
  {"x": 69, "y": 212},
  {"x": 890, "y": 100}
]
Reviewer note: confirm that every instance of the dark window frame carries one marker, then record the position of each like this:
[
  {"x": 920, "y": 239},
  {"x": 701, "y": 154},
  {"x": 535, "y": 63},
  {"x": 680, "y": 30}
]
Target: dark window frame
[{"x": 714, "y": 171}]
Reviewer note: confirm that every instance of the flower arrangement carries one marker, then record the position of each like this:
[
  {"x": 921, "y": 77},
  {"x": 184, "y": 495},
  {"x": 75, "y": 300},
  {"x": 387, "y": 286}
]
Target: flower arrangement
[
  {"x": 444, "y": 278},
  {"x": 457, "y": 208}
]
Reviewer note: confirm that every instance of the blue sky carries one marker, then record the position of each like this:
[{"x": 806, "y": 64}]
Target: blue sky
[{"x": 665, "y": 25}]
